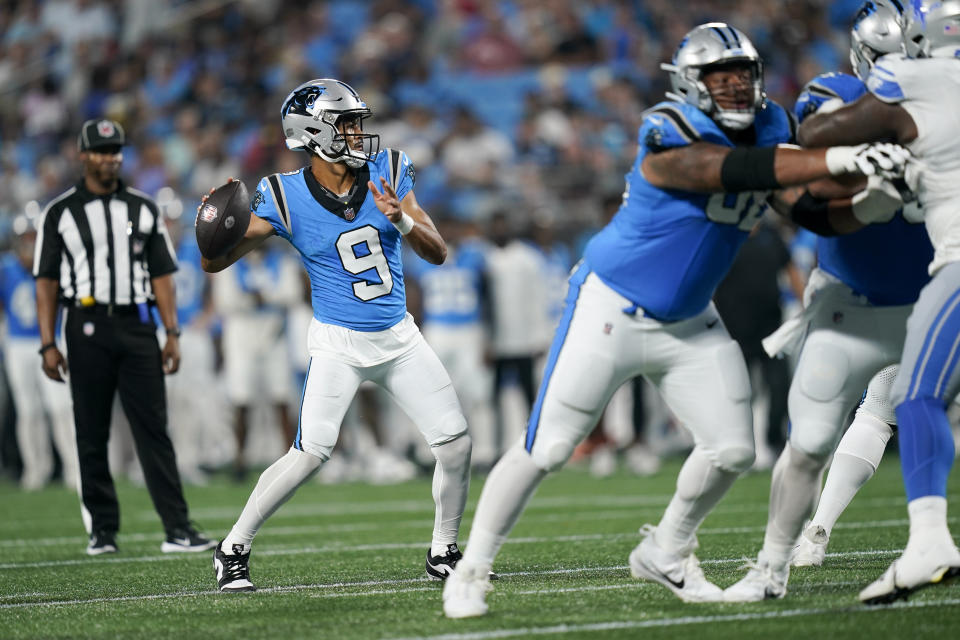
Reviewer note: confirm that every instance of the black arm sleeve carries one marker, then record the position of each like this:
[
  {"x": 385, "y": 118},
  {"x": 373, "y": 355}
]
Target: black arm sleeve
[
  {"x": 749, "y": 169},
  {"x": 813, "y": 214}
]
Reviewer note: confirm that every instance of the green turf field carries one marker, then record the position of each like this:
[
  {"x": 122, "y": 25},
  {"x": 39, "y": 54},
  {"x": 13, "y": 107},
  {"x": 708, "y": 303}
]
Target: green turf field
[{"x": 347, "y": 562}]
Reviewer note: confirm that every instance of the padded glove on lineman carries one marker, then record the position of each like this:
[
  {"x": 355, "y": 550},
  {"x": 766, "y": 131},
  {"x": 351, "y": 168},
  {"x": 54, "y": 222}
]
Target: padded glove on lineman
[
  {"x": 878, "y": 203},
  {"x": 881, "y": 159}
]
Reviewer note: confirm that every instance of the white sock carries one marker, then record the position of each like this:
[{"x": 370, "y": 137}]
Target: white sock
[
  {"x": 700, "y": 485},
  {"x": 793, "y": 491},
  {"x": 508, "y": 489},
  {"x": 855, "y": 462},
  {"x": 275, "y": 486},
  {"x": 451, "y": 481},
  {"x": 928, "y": 522}
]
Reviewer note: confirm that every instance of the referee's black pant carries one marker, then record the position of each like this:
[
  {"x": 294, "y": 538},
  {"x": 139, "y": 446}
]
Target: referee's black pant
[{"x": 119, "y": 353}]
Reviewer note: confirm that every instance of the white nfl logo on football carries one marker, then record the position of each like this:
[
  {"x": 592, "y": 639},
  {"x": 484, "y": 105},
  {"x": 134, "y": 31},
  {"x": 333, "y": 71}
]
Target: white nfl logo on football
[{"x": 208, "y": 213}]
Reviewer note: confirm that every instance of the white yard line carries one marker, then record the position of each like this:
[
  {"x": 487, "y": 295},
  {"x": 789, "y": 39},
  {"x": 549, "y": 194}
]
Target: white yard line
[
  {"x": 419, "y": 523},
  {"x": 672, "y": 622},
  {"x": 400, "y": 582},
  {"x": 380, "y": 546}
]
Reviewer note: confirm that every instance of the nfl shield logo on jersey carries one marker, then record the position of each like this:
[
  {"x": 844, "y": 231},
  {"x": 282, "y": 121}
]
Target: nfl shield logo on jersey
[{"x": 349, "y": 214}]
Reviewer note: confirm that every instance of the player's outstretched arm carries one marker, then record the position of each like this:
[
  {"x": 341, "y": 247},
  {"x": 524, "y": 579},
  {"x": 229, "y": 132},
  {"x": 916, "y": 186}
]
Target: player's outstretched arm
[
  {"x": 411, "y": 220},
  {"x": 709, "y": 168},
  {"x": 258, "y": 231},
  {"x": 869, "y": 119}
]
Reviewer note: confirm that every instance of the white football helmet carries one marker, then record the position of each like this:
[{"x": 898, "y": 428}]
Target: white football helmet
[
  {"x": 876, "y": 32},
  {"x": 709, "y": 44},
  {"x": 932, "y": 29},
  {"x": 309, "y": 117}
]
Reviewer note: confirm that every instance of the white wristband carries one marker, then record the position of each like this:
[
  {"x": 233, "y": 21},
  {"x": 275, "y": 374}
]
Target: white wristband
[{"x": 405, "y": 225}]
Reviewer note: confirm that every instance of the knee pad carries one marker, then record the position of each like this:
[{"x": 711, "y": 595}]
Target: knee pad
[
  {"x": 824, "y": 381},
  {"x": 815, "y": 439},
  {"x": 450, "y": 427},
  {"x": 316, "y": 450},
  {"x": 551, "y": 452},
  {"x": 736, "y": 459}
]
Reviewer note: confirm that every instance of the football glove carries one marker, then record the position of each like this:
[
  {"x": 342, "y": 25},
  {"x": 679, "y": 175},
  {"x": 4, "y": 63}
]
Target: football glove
[{"x": 882, "y": 159}]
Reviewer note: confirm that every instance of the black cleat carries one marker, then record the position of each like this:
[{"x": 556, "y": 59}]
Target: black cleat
[
  {"x": 438, "y": 567},
  {"x": 102, "y": 542},
  {"x": 186, "y": 539},
  {"x": 233, "y": 570}
]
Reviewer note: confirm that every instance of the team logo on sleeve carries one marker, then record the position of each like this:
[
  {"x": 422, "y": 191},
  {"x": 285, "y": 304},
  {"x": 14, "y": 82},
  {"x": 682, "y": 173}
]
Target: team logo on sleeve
[
  {"x": 257, "y": 200},
  {"x": 208, "y": 213},
  {"x": 654, "y": 139},
  {"x": 411, "y": 173}
]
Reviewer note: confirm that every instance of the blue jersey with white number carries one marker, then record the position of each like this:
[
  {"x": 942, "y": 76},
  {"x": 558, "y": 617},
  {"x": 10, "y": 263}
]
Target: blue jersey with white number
[
  {"x": 453, "y": 291},
  {"x": 350, "y": 249},
  {"x": 18, "y": 295},
  {"x": 887, "y": 263},
  {"x": 665, "y": 249},
  {"x": 190, "y": 280}
]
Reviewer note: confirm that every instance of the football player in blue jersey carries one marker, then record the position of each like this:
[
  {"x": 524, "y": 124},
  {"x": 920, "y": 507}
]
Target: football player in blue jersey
[
  {"x": 852, "y": 330},
  {"x": 346, "y": 214},
  {"x": 912, "y": 99},
  {"x": 639, "y": 304}
]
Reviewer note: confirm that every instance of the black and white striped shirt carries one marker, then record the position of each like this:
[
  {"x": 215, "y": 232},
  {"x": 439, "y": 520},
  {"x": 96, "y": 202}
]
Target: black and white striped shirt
[{"x": 103, "y": 248}]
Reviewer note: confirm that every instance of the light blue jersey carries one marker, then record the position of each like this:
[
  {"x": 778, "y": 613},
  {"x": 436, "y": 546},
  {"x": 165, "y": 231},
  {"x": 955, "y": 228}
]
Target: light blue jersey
[
  {"x": 453, "y": 291},
  {"x": 18, "y": 295},
  {"x": 667, "y": 250},
  {"x": 887, "y": 263},
  {"x": 350, "y": 249},
  {"x": 190, "y": 281}
]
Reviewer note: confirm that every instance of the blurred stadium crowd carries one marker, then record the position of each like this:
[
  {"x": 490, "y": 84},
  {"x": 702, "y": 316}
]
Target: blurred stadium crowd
[{"x": 520, "y": 116}]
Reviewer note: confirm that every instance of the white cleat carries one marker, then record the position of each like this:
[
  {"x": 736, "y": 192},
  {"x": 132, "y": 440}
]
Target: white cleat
[
  {"x": 762, "y": 582},
  {"x": 912, "y": 571},
  {"x": 465, "y": 591},
  {"x": 681, "y": 573},
  {"x": 812, "y": 549}
]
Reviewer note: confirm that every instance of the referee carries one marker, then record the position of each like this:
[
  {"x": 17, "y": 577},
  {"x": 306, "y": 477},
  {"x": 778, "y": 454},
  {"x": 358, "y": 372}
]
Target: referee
[{"x": 103, "y": 254}]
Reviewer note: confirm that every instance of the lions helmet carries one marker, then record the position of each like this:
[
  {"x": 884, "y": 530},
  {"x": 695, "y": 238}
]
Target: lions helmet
[
  {"x": 876, "y": 32},
  {"x": 310, "y": 115},
  {"x": 932, "y": 29},
  {"x": 714, "y": 43}
]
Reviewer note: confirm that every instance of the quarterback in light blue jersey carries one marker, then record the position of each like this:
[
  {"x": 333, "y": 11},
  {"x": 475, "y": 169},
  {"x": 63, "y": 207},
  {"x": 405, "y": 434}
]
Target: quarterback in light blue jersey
[
  {"x": 851, "y": 333},
  {"x": 639, "y": 304},
  {"x": 912, "y": 98},
  {"x": 346, "y": 214}
]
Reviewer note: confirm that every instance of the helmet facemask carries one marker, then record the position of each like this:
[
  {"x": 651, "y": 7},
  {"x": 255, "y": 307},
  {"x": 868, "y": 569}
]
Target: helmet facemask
[
  {"x": 735, "y": 118},
  {"x": 347, "y": 142}
]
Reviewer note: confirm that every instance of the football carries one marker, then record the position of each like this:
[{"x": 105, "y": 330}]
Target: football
[{"x": 223, "y": 219}]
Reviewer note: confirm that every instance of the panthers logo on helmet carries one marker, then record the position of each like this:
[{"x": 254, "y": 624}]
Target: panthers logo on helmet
[{"x": 303, "y": 99}]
